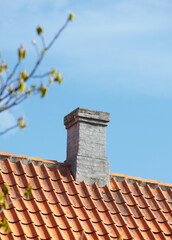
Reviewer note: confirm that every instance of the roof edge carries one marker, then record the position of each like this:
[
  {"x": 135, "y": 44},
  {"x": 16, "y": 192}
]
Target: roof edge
[
  {"x": 36, "y": 161},
  {"x": 141, "y": 181}
]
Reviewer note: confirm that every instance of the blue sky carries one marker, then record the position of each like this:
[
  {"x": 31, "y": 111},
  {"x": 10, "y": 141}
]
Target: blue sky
[{"x": 116, "y": 56}]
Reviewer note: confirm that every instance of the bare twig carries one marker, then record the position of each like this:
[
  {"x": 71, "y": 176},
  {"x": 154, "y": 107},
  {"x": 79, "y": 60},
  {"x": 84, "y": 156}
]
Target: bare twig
[
  {"x": 8, "y": 129},
  {"x": 58, "y": 34},
  {"x": 14, "y": 70},
  {"x": 43, "y": 41},
  {"x": 12, "y": 89},
  {"x": 41, "y": 76}
]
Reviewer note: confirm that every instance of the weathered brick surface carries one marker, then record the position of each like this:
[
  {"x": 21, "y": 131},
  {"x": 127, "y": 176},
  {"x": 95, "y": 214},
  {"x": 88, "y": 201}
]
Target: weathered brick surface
[{"x": 86, "y": 145}]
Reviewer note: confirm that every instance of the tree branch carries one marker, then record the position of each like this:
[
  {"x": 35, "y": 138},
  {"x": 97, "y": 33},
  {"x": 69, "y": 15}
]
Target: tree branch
[
  {"x": 41, "y": 76},
  {"x": 8, "y": 129},
  {"x": 17, "y": 87},
  {"x": 14, "y": 70},
  {"x": 58, "y": 34}
]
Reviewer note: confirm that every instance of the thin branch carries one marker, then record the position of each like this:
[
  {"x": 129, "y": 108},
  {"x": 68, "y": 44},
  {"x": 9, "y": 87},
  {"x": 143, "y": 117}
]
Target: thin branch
[
  {"x": 49, "y": 46},
  {"x": 10, "y": 97},
  {"x": 41, "y": 76},
  {"x": 37, "y": 50},
  {"x": 21, "y": 98},
  {"x": 1, "y": 85},
  {"x": 9, "y": 93},
  {"x": 8, "y": 100},
  {"x": 14, "y": 70},
  {"x": 58, "y": 34},
  {"x": 15, "y": 102},
  {"x": 8, "y": 129},
  {"x": 43, "y": 41},
  {"x": 36, "y": 66}
]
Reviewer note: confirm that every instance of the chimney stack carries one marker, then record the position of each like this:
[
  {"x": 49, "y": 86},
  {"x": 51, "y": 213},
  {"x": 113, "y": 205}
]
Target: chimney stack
[{"x": 86, "y": 146}]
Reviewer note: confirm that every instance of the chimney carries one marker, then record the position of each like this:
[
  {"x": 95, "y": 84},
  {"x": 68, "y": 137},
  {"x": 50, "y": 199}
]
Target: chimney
[{"x": 86, "y": 146}]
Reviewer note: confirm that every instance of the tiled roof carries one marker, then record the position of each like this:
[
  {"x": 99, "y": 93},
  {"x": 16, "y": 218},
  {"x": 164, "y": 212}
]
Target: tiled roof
[{"x": 60, "y": 208}]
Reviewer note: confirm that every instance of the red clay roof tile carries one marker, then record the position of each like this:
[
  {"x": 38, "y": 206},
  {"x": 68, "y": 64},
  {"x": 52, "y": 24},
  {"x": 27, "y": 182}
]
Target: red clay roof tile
[
  {"x": 60, "y": 208},
  {"x": 112, "y": 207}
]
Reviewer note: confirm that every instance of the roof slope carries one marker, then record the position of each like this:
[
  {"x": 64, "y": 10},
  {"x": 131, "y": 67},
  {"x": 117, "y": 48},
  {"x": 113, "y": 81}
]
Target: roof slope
[{"x": 60, "y": 208}]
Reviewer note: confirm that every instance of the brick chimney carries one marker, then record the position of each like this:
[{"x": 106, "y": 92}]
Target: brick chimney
[{"x": 86, "y": 146}]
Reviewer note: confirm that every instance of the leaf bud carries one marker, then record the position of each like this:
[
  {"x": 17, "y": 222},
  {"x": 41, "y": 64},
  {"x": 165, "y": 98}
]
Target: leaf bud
[
  {"x": 71, "y": 16},
  {"x": 34, "y": 42},
  {"x": 21, "y": 52},
  {"x": 39, "y": 30}
]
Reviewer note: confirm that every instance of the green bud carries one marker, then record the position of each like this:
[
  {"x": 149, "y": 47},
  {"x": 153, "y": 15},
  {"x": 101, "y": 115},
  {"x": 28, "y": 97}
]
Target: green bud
[
  {"x": 3, "y": 107},
  {"x": 21, "y": 123},
  {"x": 71, "y": 16},
  {"x": 10, "y": 89},
  {"x": 53, "y": 72},
  {"x": 24, "y": 75},
  {"x": 58, "y": 78},
  {"x": 22, "y": 53},
  {"x": 1, "y": 69},
  {"x": 39, "y": 30},
  {"x": 33, "y": 86},
  {"x": 43, "y": 52},
  {"x": 43, "y": 90},
  {"x": 22, "y": 87},
  {"x": 51, "y": 80}
]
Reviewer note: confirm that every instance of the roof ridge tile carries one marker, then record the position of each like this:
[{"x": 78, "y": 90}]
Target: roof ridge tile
[{"x": 141, "y": 181}]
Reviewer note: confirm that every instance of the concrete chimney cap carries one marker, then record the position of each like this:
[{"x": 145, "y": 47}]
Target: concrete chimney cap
[{"x": 88, "y": 116}]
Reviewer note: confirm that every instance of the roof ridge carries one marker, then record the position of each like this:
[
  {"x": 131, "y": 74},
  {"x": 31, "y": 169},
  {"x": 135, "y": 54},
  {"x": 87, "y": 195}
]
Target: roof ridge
[
  {"x": 141, "y": 181},
  {"x": 27, "y": 160},
  {"x": 51, "y": 163}
]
